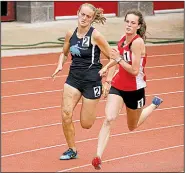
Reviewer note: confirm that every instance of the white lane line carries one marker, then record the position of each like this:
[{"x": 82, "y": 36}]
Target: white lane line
[
  {"x": 42, "y": 126},
  {"x": 172, "y": 54},
  {"x": 68, "y": 62},
  {"x": 163, "y": 66},
  {"x": 49, "y": 91},
  {"x": 45, "y": 78},
  {"x": 34, "y": 109},
  {"x": 172, "y": 92},
  {"x": 91, "y": 139},
  {"x": 34, "y": 93},
  {"x": 55, "y": 124},
  {"x": 32, "y": 66},
  {"x": 123, "y": 157},
  {"x": 175, "y": 107},
  {"x": 58, "y": 106},
  {"x": 166, "y": 78},
  {"x": 35, "y": 127},
  {"x": 22, "y": 80}
]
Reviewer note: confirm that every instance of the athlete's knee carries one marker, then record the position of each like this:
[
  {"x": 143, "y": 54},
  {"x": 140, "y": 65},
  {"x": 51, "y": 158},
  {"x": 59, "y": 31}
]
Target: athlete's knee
[
  {"x": 132, "y": 127},
  {"x": 86, "y": 125},
  {"x": 87, "y": 120},
  {"x": 67, "y": 117},
  {"x": 108, "y": 121}
]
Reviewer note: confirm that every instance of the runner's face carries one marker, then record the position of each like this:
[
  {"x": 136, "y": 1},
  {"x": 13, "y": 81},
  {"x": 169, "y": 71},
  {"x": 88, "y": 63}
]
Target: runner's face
[
  {"x": 85, "y": 16},
  {"x": 131, "y": 24}
]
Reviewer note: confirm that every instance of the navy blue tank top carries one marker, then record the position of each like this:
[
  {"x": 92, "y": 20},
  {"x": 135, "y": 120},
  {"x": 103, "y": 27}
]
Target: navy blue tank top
[{"x": 85, "y": 57}]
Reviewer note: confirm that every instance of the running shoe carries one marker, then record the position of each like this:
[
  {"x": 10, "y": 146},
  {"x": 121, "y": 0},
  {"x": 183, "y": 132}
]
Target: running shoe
[
  {"x": 157, "y": 101},
  {"x": 69, "y": 154},
  {"x": 96, "y": 162}
]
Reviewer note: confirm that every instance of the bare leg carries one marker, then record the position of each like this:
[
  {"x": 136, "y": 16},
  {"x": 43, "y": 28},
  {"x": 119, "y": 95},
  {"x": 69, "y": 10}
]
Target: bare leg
[
  {"x": 113, "y": 107},
  {"x": 71, "y": 96},
  {"x": 136, "y": 117},
  {"x": 88, "y": 112},
  {"x": 145, "y": 113}
]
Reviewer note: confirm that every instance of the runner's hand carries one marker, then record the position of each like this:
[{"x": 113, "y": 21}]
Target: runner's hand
[
  {"x": 55, "y": 73},
  {"x": 106, "y": 88},
  {"x": 103, "y": 72},
  {"x": 114, "y": 53}
]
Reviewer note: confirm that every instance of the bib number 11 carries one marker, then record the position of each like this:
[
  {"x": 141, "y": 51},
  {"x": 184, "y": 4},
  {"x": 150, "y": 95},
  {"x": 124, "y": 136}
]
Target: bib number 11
[{"x": 126, "y": 56}]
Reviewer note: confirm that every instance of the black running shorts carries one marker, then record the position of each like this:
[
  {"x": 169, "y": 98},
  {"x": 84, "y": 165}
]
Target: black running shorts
[
  {"x": 89, "y": 89},
  {"x": 132, "y": 99}
]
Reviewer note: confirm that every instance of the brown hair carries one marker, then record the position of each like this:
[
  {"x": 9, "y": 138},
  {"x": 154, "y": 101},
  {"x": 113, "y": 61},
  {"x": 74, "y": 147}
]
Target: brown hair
[
  {"x": 98, "y": 13},
  {"x": 142, "y": 30}
]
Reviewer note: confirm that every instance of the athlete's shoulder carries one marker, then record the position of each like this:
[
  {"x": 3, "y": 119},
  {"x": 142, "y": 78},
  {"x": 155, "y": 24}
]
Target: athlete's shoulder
[
  {"x": 123, "y": 36},
  {"x": 138, "y": 41},
  {"x": 96, "y": 33},
  {"x": 70, "y": 32},
  {"x": 121, "y": 40}
]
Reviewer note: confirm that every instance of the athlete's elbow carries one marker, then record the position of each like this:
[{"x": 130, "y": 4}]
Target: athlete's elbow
[{"x": 135, "y": 72}]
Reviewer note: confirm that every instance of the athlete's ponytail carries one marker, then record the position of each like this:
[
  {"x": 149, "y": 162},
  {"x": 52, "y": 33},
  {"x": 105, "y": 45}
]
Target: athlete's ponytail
[
  {"x": 142, "y": 30},
  {"x": 98, "y": 13},
  {"x": 99, "y": 17}
]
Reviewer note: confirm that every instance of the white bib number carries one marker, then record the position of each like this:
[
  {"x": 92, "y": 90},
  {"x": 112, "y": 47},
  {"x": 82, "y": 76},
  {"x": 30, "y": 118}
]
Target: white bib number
[
  {"x": 126, "y": 56},
  {"x": 140, "y": 103},
  {"x": 97, "y": 91},
  {"x": 86, "y": 41}
]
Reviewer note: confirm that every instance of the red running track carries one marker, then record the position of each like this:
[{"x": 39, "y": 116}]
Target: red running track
[{"x": 32, "y": 137}]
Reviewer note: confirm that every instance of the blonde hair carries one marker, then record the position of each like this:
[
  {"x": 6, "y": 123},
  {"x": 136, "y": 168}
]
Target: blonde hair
[
  {"x": 142, "y": 30},
  {"x": 98, "y": 13}
]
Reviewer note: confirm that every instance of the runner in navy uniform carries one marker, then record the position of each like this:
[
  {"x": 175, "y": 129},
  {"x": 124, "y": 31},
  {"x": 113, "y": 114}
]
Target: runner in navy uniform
[
  {"x": 85, "y": 66},
  {"x": 83, "y": 81}
]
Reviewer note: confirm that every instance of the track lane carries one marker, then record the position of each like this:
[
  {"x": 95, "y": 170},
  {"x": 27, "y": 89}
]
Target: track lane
[
  {"x": 159, "y": 160},
  {"x": 53, "y": 99},
  {"x": 53, "y": 116},
  {"x": 56, "y": 132},
  {"x": 47, "y": 71},
  {"x": 34, "y": 161},
  {"x": 17, "y": 61},
  {"x": 158, "y": 139}
]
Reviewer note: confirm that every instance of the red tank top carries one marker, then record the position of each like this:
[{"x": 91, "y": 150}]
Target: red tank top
[{"x": 123, "y": 80}]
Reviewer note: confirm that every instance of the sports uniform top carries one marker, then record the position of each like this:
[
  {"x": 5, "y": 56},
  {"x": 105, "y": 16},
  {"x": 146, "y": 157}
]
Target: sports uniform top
[
  {"x": 123, "y": 80},
  {"x": 85, "y": 57}
]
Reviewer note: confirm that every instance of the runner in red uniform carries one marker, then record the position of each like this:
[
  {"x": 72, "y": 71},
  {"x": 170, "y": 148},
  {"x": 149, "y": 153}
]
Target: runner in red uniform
[
  {"x": 131, "y": 82},
  {"x": 128, "y": 84}
]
